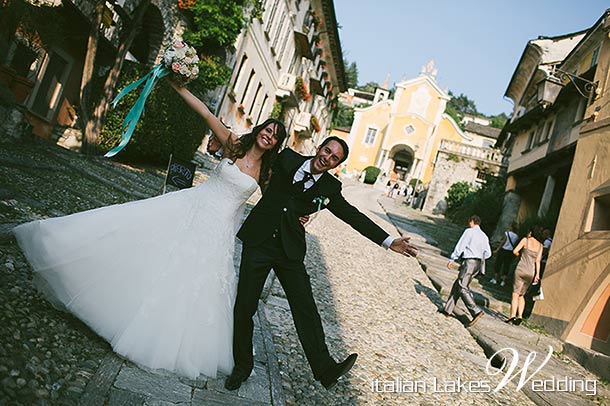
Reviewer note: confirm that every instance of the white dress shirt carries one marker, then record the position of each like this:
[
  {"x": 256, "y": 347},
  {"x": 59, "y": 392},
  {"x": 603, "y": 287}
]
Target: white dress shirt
[
  {"x": 306, "y": 167},
  {"x": 473, "y": 244}
]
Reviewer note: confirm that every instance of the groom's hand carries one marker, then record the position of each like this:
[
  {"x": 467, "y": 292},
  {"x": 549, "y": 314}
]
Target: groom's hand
[{"x": 402, "y": 246}]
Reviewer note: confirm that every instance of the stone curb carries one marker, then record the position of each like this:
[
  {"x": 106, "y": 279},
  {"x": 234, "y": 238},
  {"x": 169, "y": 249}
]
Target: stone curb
[
  {"x": 595, "y": 362},
  {"x": 273, "y": 367}
]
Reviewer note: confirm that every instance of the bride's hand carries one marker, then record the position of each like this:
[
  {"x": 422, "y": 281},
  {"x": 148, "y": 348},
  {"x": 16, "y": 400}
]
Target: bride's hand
[{"x": 303, "y": 220}]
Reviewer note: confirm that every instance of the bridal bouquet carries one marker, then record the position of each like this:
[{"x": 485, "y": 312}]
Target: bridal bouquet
[{"x": 180, "y": 61}]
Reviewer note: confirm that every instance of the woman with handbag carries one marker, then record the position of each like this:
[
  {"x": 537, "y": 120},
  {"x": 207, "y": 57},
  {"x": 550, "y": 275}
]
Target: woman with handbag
[{"x": 527, "y": 271}]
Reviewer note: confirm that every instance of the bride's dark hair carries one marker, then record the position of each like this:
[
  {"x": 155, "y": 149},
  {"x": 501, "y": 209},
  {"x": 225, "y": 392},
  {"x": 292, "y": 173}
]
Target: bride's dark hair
[{"x": 239, "y": 148}]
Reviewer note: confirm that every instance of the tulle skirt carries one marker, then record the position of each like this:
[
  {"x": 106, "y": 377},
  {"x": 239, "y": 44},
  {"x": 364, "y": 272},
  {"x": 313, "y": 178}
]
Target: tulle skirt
[{"x": 154, "y": 277}]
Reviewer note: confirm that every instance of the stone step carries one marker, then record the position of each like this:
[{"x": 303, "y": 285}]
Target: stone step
[{"x": 443, "y": 283}]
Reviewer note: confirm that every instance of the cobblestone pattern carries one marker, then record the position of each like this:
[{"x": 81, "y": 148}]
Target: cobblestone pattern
[
  {"x": 383, "y": 307},
  {"x": 46, "y": 354},
  {"x": 50, "y": 357}
]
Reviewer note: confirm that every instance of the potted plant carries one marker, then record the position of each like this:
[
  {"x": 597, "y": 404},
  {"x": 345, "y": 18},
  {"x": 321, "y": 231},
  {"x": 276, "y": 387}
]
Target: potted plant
[
  {"x": 300, "y": 89},
  {"x": 315, "y": 124}
]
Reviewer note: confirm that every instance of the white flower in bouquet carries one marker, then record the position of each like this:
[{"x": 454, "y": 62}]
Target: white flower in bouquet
[{"x": 182, "y": 61}]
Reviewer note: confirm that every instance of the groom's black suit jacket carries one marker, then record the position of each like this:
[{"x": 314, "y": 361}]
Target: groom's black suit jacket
[{"x": 281, "y": 206}]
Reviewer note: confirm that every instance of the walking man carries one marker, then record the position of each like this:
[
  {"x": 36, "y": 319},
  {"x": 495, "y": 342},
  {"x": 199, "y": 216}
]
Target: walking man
[
  {"x": 273, "y": 237},
  {"x": 471, "y": 251}
]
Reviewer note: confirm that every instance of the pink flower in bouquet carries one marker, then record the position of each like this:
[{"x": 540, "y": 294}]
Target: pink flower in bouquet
[{"x": 182, "y": 61}]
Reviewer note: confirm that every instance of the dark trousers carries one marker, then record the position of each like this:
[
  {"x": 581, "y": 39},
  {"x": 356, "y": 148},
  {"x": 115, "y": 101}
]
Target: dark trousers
[
  {"x": 256, "y": 262},
  {"x": 461, "y": 287},
  {"x": 503, "y": 263}
]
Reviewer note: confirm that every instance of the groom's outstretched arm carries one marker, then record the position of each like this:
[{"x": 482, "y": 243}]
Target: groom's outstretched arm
[
  {"x": 365, "y": 226},
  {"x": 352, "y": 216}
]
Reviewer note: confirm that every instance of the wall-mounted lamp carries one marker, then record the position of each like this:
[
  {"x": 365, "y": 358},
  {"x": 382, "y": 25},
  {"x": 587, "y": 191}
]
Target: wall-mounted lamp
[{"x": 585, "y": 87}]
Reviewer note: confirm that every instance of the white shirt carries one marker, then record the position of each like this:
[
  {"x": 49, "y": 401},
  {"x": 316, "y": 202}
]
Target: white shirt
[
  {"x": 511, "y": 241},
  {"x": 300, "y": 173},
  {"x": 473, "y": 244},
  {"x": 306, "y": 167}
]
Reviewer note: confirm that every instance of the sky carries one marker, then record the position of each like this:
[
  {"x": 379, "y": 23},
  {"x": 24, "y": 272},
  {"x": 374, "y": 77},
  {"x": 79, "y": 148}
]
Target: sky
[{"x": 476, "y": 45}]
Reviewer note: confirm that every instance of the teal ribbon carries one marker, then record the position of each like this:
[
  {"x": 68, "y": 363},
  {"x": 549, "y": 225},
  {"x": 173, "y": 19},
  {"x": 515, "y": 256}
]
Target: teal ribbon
[
  {"x": 134, "y": 114},
  {"x": 319, "y": 200}
]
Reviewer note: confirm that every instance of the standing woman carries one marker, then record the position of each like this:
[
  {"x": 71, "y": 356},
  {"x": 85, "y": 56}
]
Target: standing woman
[
  {"x": 527, "y": 271},
  {"x": 155, "y": 277}
]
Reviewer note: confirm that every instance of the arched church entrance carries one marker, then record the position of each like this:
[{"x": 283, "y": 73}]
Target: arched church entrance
[{"x": 403, "y": 157}]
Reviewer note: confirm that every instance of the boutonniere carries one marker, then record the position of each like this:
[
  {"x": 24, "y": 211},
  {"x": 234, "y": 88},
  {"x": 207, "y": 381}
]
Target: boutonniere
[{"x": 321, "y": 201}]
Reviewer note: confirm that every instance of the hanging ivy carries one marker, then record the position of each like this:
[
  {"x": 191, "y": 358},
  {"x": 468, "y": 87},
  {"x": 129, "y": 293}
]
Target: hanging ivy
[
  {"x": 214, "y": 26},
  {"x": 278, "y": 111}
]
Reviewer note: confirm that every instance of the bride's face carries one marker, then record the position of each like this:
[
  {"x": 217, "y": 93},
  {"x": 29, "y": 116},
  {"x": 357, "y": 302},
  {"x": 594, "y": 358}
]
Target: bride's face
[{"x": 266, "y": 138}]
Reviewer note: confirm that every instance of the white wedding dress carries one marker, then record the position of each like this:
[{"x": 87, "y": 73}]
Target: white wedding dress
[{"x": 154, "y": 277}]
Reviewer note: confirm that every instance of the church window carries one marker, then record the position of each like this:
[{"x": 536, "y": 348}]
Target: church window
[
  {"x": 371, "y": 134},
  {"x": 409, "y": 129}
]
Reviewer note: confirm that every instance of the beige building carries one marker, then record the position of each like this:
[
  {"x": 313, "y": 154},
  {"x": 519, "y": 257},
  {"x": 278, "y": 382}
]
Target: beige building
[
  {"x": 288, "y": 63},
  {"x": 560, "y": 140}
]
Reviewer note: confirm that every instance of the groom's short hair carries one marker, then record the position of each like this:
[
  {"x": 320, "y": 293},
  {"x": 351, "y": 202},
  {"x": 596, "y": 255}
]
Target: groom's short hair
[{"x": 341, "y": 142}]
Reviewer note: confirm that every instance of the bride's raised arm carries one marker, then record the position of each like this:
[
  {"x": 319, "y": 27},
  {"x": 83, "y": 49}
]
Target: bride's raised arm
[{"x": 222, "y": 133}]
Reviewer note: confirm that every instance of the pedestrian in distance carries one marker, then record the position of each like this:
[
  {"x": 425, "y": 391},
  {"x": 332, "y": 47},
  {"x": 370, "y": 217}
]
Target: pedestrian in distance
[
  {"x": 471, "y": 251},
  {"x": 526, "y": 273},
  {"x": 504, "y": 255}
]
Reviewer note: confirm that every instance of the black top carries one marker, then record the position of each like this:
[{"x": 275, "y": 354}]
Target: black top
[{"x": 282, "y": 205}]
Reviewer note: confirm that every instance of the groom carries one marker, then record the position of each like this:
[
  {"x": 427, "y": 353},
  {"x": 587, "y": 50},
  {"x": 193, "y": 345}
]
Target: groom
[{"x": 273, "y": 237}]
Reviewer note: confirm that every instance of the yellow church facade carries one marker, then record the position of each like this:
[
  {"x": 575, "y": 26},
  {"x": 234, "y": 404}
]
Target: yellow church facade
[{"x": 401, "y": 136}]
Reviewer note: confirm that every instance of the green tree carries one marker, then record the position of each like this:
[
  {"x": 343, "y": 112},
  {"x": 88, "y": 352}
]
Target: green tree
[
  {"x": 343, "y": 116},
  {"x": 499, "y": 120},
  {"x": 457, "y": 193},
  {"x": 215, "y": 27},
  {"x": 486, "y": 202},
  {"x": 351, "y": 73},
  {"x": 458, "y": 106},
  {"x": 369, "y": 87}
]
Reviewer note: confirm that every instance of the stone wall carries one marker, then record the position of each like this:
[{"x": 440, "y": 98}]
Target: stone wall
[
  {"x": 449, "y": 169},
  {"x": 455, "y": 163}
]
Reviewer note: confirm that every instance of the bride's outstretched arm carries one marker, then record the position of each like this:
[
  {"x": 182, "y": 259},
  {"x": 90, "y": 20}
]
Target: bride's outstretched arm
[{"x": 222, "y": 133}]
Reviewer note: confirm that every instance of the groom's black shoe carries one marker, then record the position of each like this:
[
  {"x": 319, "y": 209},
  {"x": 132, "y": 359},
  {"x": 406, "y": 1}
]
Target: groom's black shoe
[
  {"x": 235, "y": 380},
  {"x": 331, "y": 376}
]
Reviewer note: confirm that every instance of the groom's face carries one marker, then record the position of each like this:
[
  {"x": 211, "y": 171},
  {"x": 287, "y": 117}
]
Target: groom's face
[{"x": 327, "y": 157}]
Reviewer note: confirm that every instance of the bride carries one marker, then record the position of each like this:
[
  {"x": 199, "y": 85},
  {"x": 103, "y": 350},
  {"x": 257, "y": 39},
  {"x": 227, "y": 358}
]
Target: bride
[{"x": 155, "y": 277}]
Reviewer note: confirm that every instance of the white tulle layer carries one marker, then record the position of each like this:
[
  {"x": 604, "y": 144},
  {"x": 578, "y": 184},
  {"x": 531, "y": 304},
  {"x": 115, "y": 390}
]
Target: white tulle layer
[{"x": 154, "y": 277}]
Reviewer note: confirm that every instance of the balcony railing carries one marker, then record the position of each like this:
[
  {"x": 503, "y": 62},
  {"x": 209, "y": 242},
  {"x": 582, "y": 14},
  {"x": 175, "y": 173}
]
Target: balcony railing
[
  {"x": 285, "y": 89},
  {"x": 302, "y": 124},
  {"x": 488, "y": 155}
]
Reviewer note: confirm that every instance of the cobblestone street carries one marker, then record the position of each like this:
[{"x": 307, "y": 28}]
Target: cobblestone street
[
  {"x": 373, "y": 302},
  {"x": 383, "y": 307}
]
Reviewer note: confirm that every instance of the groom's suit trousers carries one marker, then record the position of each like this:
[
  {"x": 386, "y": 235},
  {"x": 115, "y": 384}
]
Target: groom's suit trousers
[
  {"x": 256, "y": 262},
  {"x": 461, "y": 287}
]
